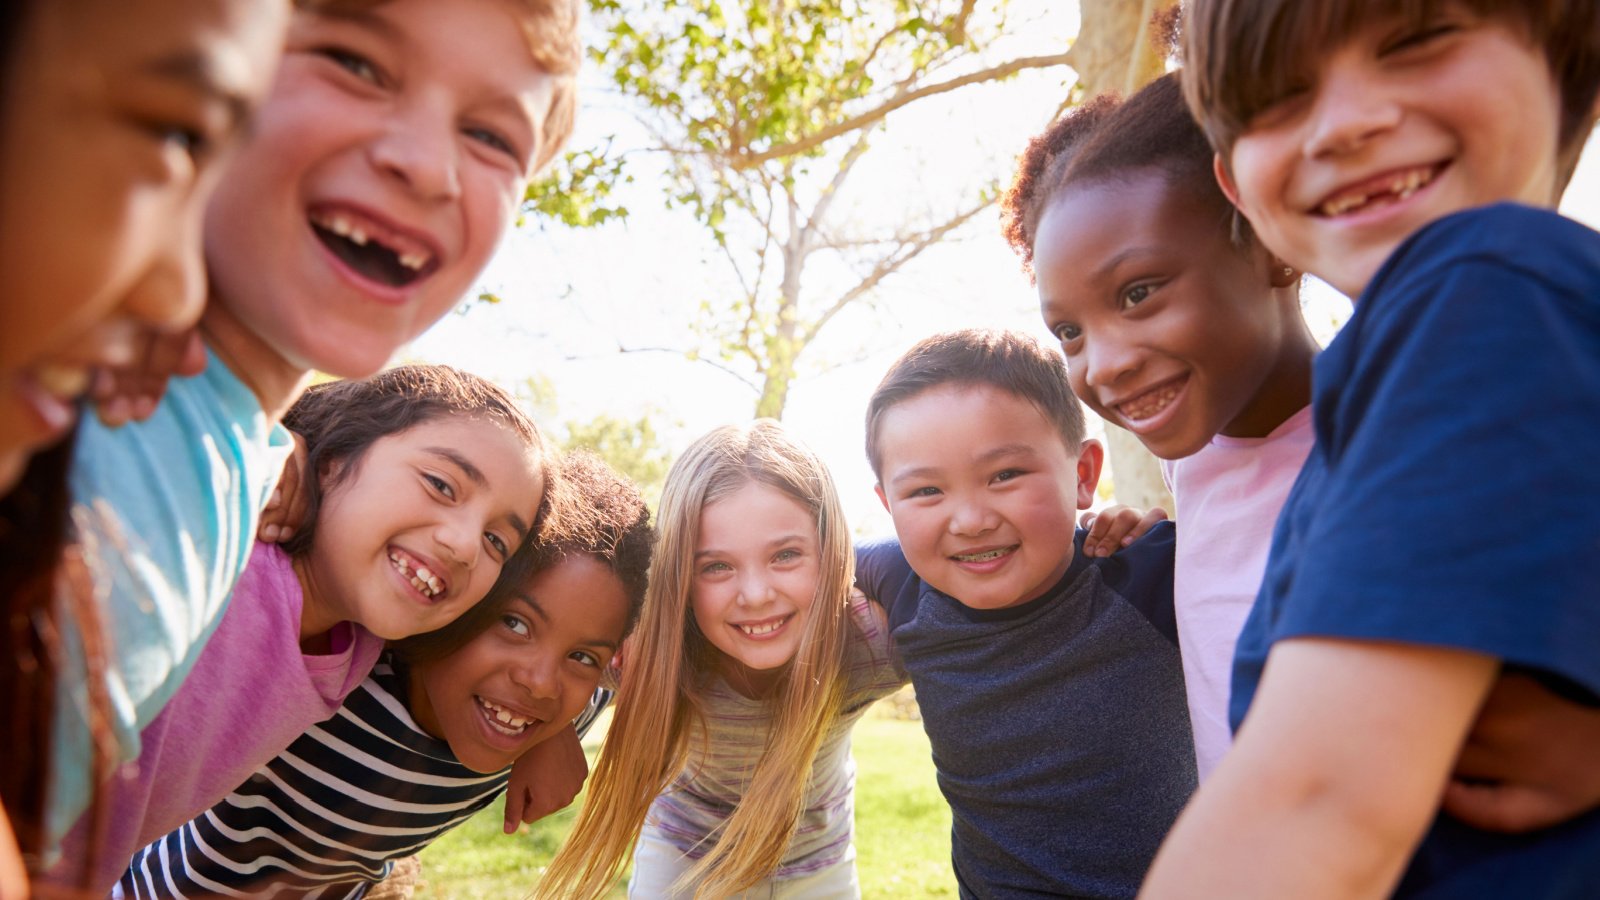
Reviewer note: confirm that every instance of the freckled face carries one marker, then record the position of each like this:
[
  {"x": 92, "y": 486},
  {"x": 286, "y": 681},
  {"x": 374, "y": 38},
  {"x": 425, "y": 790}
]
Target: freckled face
[
  {"x": 757, "y": 560},
  {"x": 386, "y": 165}
]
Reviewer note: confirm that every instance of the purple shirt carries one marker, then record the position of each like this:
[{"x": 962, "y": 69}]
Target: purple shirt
[{"x": 251, "y": 693}]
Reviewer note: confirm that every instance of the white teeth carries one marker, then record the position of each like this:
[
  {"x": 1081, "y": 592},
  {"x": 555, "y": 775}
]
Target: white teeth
[
  {"x": 1147, "y": 405},
  {"x": 1401, "y": 186},
  {"x": 62, "y": 381},
  {"x": 357, "y": 236},
  {"x": 413, "y": 261},
  {"x": 423, "y": 580},
  {"x": 339, "y": 225},
  {"x": 768, "y": 628},
  {"x": 513, "y": 724}
]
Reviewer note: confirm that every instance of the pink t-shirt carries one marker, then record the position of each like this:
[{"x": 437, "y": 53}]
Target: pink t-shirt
[
  {"x": 1228, "y": 497},
  {"x": 250, "y": 694}
]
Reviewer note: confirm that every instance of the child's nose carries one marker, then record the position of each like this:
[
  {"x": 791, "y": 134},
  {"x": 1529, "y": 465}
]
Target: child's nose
[
  {"x": 171, "y": 292},
  {"x": 1348, "y": 109},
  {"x": 537, "y": 675},
  {"x": 1107, "y": 361},
  {"x": 970, "y": 517},
  {"x": 461, "y": 536},
  {"x": 420, "y": 149},
  {"x": 754, "y": 589}
]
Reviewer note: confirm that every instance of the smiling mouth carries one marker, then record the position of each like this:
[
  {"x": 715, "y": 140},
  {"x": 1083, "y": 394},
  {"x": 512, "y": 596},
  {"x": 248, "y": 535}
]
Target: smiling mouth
[
  {"x": 503, "y": 720},
  {"x": 1391, "y": 189},
  {"x": 391, "y": 260},
  {"x": 1150, "y": 403},
  {"x": 763, "y": 628},
  {"x": 427, "y": 583},
  {"x": 985, "y": 556}
]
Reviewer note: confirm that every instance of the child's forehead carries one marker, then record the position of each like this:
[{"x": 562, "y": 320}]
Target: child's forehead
[{"x": 935, "y": 409}]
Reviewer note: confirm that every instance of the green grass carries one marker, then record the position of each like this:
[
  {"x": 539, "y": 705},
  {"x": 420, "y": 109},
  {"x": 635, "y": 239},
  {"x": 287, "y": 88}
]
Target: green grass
[{"x": 902, "y": 828}]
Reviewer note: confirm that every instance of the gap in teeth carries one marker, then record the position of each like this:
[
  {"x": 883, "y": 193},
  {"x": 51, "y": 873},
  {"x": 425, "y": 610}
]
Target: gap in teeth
[{"x": 984, "y": 556}]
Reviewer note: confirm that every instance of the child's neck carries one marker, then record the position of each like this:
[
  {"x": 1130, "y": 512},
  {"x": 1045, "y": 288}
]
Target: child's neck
[
  {"x": 275, "y": 381},
  {"x": 317, "y": 620},
  {"x": 1287, "y": 388}
]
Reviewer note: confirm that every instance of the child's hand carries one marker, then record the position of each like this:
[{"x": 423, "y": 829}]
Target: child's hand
[
  {"x": 545, "y": 779},
  {"x": 1529, "y": 762},
  {"x": 130, "y": 393},
  {"x": 286, "y": 510},
  {"x": 1117, "y": 527}
]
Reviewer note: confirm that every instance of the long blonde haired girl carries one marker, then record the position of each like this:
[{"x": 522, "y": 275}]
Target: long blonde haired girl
[{"x": 750, "y": 663}]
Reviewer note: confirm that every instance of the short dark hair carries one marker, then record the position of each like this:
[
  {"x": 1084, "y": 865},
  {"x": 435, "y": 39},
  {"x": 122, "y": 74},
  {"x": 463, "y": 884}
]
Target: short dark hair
[
  {"x": 341, "y": 420},
  {"x": 1008, "y": 360},
  {"x": 1107, "y": 139},
  {"x": 593, "y": 511},
  {"x": 1241, "y": 55}
]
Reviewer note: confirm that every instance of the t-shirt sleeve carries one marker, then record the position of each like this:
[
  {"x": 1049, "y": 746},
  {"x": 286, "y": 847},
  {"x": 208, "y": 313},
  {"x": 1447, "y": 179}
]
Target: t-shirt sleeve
[
  {"x": 1142, "y": 573},
  {"x": 1462, "y": 450},
  {"x": 883, "y": 574}
]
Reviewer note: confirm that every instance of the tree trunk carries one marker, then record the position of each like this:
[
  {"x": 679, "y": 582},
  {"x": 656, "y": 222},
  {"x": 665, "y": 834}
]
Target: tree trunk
[{"x": 1114, "y": 52}]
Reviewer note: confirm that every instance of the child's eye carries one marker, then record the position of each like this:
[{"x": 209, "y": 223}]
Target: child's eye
[
  {"x": 515, "y": 624},
  {"x": 440, "y": 485},
  {"x": 1418, "y": 37},
  {"x": 1007, "y": 474},
  {"x": 714, "y": 568},
  {"x": 493, "y": 140},
  {"x": 1137, "y": 294},
  {"x": 1066, "y": 332},
  {"x": 498, "y": 543},
  {"x": 787, "y": 555},
  {"x": 354, "y": 63},
  {"x": 924, "y": 492},
  {"x": 588, "y": 659}
]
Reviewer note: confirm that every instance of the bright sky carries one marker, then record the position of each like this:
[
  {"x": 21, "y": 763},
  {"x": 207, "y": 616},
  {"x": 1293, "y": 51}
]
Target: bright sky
[{"x": 573, "y": 298}]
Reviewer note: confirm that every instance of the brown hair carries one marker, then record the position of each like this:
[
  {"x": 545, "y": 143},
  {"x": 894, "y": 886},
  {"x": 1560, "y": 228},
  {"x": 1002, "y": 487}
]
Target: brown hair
[
  {"x": 1008, "y": 360},
  {"x": 593, "y": 511},
  {"x": 1241, "y": 55},
  {"x": 1106, "y": 139},
  {"x": 341, "y": 420},
  {"x": 550, "y": 28}
]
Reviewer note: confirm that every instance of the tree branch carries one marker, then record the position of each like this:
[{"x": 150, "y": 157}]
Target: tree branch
[
  {"x": 891, "y": 264},
  {"x": 877, "y": 114},
  {"x": 755, "y": 388}
]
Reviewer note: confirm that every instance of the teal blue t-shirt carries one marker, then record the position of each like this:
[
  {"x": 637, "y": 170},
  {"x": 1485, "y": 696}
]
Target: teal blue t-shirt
[{"x": 167, "y": 511}]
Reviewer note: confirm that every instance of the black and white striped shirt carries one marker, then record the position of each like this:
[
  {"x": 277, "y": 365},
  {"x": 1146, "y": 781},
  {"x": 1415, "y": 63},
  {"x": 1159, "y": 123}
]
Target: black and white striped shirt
[{"x": 327, "y": 817}]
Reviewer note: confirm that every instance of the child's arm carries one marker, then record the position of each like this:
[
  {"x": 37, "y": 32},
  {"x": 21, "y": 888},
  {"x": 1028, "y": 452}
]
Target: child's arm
[
  {"x": 1335, "y": 776},
  {"x": 1529, "y": 762},
  {"x": 286, "y": 509},
  {"x": 1116, "y": 527},
  {"x": 546, "y": 778}
]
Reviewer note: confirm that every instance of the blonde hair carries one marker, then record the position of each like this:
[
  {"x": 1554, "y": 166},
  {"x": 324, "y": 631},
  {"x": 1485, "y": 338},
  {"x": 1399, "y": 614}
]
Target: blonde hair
[
  {"x": 550, "y": 28},
  {"x": 670, "y": 661}
]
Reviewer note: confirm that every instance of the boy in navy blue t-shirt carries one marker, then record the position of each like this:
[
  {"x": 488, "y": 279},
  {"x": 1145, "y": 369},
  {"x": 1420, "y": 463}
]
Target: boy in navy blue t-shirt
[
  {"x": 1443, "y": 534},
  {"x": 1049, "y": 682}
]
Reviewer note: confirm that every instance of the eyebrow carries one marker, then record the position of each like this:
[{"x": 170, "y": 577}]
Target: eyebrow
[
  {"x": 476, "y": 476},
  {"x": 206, "y": 73},
  {"x": 533, "y": 605},
  {"x": 990, "y": 455},
  {"x": 1117, "y": 259}
]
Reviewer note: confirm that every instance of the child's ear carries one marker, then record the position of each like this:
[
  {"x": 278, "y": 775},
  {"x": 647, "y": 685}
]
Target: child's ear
[
  {"x": 1281, "y": 274},
  {"x": 1091, "y": 456},
  {"x": 1225, "y": 180},
  {"x": 882, "y": 498}
]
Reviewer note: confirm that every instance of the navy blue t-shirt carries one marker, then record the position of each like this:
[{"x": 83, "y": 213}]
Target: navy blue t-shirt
[
  {"x": 1059, "y": 727},
  {"x": 1453, "y": 496}
]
